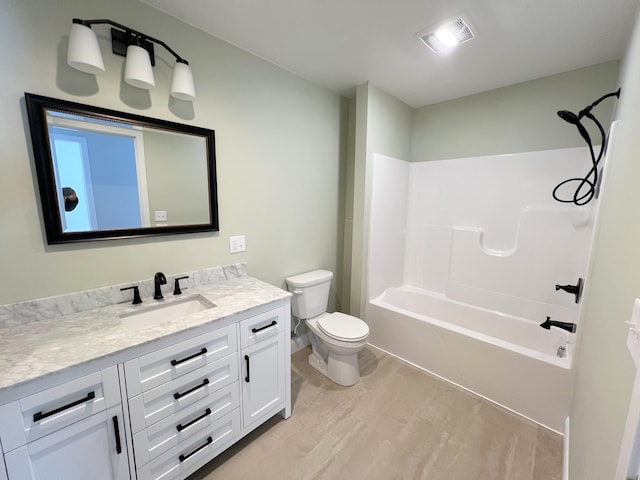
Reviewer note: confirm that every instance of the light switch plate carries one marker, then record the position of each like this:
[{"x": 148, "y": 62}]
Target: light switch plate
[{"x": 237, "y": 244}]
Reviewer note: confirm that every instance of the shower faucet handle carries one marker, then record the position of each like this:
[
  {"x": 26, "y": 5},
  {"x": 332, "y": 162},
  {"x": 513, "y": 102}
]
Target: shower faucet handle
[{"x": 573, "y": 289}]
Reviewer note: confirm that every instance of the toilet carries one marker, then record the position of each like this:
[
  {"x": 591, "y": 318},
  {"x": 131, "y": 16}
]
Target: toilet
[{"x": 336, "y": 338}]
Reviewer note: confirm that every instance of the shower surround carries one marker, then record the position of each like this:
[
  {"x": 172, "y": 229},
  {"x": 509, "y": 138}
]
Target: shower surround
[{"x": 464, "y": 256}]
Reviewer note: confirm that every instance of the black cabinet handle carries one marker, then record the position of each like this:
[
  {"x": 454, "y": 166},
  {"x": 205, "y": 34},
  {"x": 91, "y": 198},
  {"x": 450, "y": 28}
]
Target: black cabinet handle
[
  {"x": 186, "y": 359},
  {"x": 247, "y": 379},
  {"x": 195, "y": 420},
  {"x": 39, "y": 415},
  {"x": 256, "y": 330},
  {"x": 182, "y": 458},
  {"x": 116, "y": 430},
  {"x": 180, "y": 395}
]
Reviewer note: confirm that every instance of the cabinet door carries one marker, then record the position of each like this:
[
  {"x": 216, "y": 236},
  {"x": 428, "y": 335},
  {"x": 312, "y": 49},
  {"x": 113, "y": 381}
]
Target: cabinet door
[
  {"x": 93, "y": 448},
  {"x": 263, "y": 388}
]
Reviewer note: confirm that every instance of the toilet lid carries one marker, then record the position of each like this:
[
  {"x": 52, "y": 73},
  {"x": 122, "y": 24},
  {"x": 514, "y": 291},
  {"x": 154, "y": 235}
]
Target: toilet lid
[{"x": 343, "y": 327}]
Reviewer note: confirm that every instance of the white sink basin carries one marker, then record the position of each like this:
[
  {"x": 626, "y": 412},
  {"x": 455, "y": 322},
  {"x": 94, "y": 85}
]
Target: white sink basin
[{"x": 164, "y": 312}]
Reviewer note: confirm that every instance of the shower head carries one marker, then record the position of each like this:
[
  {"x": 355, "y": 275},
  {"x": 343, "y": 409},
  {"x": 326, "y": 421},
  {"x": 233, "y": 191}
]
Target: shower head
[
  {"x": 587, "y": 183},
  {"x": 569, "y": 117},
  {"x": 574, "y": 119}
]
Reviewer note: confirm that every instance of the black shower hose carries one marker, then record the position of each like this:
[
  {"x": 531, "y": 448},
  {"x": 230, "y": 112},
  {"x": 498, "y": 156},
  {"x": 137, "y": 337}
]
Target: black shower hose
[{"x": 585, "y": 184}]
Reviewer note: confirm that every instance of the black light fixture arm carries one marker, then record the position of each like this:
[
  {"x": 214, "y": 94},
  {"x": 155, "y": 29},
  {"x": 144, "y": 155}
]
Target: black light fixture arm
[{"x": 130, "y": 31}]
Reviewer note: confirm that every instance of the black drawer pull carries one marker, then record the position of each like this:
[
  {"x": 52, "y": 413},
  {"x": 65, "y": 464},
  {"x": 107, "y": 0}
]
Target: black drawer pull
[
  {"x": 186, "y": 359},
  {"x": 116, "y": 430},
  {"x": 247, "y": 379},
  {"x": 180, "y": 395},
  {"x": 182, "y": 458},
  {"x": 39, "y": 415},
  {"x": 195, "y": 420},
  {"x": 256, "y": 330}
]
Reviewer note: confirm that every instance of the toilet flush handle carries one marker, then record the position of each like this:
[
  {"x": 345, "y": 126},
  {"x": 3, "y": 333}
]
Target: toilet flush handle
[{"x": 297, "y": 292}]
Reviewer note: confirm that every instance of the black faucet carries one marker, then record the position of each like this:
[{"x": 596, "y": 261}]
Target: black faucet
[
  {"x": 548, "y": 323},
  {"x": 573, "y": 289},
  {"x": 176, "y": 285},
  {"x": 136, "y": 294},
  {"x": 158, "y": 279}
]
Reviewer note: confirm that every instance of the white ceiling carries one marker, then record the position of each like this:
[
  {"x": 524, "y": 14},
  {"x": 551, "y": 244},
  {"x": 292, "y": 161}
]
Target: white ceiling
[{"x": 340, "y": 44}]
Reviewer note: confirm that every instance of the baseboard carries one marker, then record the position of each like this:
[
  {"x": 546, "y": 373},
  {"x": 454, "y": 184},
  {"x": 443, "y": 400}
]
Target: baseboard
[
  {"x": 299, "y": 342},
  {"x": 565, "y": 453}
]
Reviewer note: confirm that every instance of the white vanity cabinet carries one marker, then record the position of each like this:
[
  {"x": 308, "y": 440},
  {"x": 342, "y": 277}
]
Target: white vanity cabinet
[
  {"x": 190, "y": 401},
  {"x": 159, "y": 410},
  {"x": 73, "y": 431}
]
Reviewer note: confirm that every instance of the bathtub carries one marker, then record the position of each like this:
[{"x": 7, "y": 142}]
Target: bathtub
[{"x": 508, "y": 360}]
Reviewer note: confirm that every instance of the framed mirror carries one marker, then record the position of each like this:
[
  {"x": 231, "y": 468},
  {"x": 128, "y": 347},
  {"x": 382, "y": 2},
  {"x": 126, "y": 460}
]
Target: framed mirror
[{"x": 105, "y": 174}]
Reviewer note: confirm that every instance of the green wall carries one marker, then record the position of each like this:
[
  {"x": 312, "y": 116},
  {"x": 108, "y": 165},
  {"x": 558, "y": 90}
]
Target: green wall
[
  {"x": 280, "y": 141},
  {"x": 383, "y": 126},
  {"x": 176, "y": 172},
  {"x": 605, "y": 372},
  {"x": 518, "y": 118}
]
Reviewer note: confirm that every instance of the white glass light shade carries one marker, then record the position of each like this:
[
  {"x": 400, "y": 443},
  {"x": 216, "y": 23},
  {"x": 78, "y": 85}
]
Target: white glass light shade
[
  {"x": 137, "y": 70},
  {"x": 84, "y": 52},
  {"x": 182, "y": 82}
]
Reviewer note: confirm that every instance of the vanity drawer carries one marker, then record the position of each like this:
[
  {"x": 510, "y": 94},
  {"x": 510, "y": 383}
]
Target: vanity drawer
[
  {"x": 188, "y": 456},
  {"x": 149, "y": 371},
  {"x": 55, "y": 408},
  {"x": 169, "y": 398},
  {"x": 175, "y": 429},
  {"x": 259, "y": 327}
]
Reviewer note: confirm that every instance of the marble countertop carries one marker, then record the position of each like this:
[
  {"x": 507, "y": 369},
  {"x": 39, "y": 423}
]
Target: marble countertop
[{"x": 33, "y": 350}]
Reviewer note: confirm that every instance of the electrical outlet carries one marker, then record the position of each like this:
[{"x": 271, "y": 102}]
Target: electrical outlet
[
  {"x": 161, "y": 215},
  {"x": 237, "y": 244}
]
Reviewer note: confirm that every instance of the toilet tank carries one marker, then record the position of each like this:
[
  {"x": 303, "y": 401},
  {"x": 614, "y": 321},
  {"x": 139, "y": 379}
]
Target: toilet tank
[{"x": 310, "y": 293}]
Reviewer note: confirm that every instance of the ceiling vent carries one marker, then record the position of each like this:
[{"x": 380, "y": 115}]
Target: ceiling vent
[{"x": 448, "y": 36}]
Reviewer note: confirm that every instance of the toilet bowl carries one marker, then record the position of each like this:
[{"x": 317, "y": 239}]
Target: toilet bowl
[
  {"x": 334, "y": 355},
  {"x": 336, "y": 338}
]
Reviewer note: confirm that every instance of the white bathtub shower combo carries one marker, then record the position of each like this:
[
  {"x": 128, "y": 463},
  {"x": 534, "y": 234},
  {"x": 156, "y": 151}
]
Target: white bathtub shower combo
[{"x": 464, "y": 259}]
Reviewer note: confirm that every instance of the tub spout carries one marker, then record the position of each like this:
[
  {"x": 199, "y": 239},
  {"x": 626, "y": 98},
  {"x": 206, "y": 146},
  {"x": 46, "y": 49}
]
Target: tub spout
[
  {"x": 548, "y": 323},
  {"x": 573, "y": 289}
]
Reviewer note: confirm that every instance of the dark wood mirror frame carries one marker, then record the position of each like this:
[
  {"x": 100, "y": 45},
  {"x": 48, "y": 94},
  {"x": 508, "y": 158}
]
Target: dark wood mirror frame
[{"x": 37, "y": 108}]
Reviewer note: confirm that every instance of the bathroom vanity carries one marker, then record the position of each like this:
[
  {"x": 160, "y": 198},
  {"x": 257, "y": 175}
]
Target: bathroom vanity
[{"x": 96, "y": 395}]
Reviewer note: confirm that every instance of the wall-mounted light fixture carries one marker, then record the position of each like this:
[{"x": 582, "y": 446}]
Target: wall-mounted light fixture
[{"x": 84, "y": 55}]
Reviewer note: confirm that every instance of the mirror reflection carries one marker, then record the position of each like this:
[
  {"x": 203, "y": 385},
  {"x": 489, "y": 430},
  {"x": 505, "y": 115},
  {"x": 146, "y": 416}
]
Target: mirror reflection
[{"x": 110, "y": 174}]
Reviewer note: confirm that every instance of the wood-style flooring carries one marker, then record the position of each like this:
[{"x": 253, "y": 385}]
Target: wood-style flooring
[{"x": 396, "y": 423}]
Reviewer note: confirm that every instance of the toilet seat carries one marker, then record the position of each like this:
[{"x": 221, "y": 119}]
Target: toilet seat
[{"x": 346, "y": 328}]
